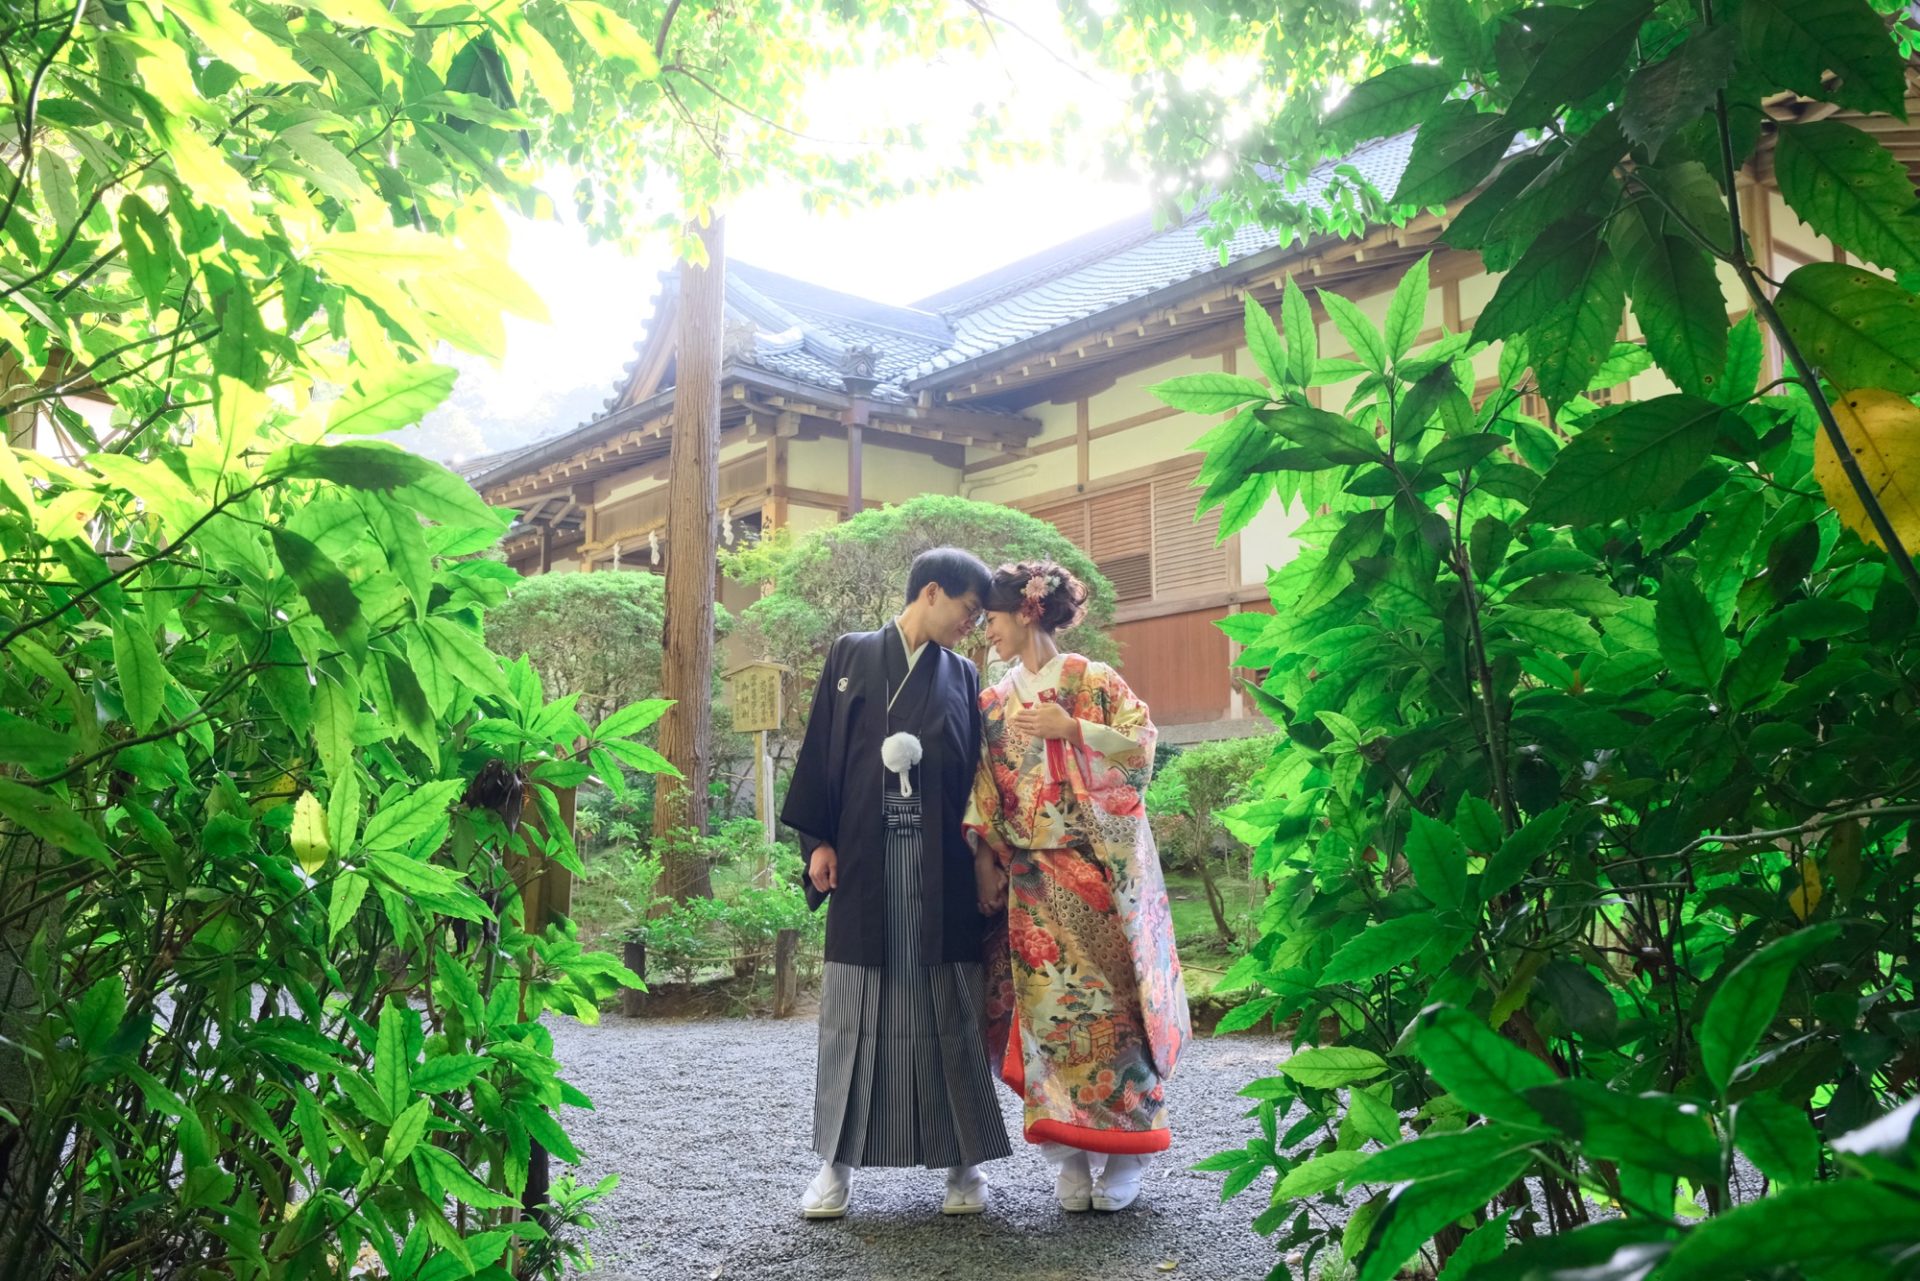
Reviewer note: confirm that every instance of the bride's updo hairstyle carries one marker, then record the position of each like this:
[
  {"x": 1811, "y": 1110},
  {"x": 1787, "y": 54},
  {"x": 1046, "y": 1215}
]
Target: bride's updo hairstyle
[{"x": 1043, "y": 593}]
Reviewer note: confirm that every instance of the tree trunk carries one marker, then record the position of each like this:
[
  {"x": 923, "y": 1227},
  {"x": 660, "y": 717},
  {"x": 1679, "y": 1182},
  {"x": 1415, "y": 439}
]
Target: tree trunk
[
  {"x": 693, "y": 548},
  {"x": 1203, "y": 859}
]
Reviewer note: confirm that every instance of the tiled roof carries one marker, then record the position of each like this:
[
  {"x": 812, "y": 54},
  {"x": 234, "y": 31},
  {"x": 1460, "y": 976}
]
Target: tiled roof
[
  {"x": 1079, "y": 280},
  {"x": 803, "y": 331}
]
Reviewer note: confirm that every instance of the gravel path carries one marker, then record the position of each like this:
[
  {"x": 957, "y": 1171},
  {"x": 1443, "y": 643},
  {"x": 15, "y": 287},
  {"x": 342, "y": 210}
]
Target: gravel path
[{"x": 707, "y": 1123}]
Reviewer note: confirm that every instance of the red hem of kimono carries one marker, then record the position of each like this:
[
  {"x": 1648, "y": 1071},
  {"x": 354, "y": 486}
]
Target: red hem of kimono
[{"x": 1111, "y": 1142}]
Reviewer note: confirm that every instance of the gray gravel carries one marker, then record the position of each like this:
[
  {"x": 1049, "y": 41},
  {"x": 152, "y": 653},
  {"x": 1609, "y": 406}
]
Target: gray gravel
[{"x": 708, "y": 1122}]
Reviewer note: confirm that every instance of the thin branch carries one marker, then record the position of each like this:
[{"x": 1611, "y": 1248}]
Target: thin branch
[
  {"x": 131, "y": 569},
  {"x": 1807, "y": 828},
  {"x": 33, "y": 109},
  {"x": 666, "y": 24}
]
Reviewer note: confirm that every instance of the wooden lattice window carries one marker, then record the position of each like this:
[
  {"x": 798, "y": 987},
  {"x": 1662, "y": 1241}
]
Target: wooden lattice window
[{"x": 1144, "y": 538}]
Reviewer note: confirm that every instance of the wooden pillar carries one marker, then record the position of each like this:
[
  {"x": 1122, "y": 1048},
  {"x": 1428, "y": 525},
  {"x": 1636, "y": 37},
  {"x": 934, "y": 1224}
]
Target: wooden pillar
[
  {"x": 786, "y": 973},
  {"x": 546, "y": 549},
  {"x": 856, "y": 429},
  {"x": 1083, "y": 433},
  {"x": 634, "y": 956},
  {"x": 693, "y": 535}
]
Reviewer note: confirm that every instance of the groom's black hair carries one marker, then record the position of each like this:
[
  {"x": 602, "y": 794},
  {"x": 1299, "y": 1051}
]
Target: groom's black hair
[{"x": 958, "y": 572}]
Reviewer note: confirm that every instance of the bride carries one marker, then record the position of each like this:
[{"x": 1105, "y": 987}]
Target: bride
[{"x": 1086, "y": 1008}]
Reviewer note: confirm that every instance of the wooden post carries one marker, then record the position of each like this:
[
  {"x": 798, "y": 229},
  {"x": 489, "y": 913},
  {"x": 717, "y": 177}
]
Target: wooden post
[
  {"x": 855, "y": 430},
  {"x": 693, "y": 533},
  {"x": 786, "y": 973},
  {"x": 634, "y": 957}
]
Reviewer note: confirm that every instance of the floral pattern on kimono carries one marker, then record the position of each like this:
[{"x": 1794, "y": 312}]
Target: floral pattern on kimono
[{"x": 1087, "y": 1012}]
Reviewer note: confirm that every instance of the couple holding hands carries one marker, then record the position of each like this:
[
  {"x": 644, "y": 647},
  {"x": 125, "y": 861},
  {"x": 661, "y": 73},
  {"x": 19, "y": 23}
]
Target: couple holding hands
[{"x": 996, "y": 905}]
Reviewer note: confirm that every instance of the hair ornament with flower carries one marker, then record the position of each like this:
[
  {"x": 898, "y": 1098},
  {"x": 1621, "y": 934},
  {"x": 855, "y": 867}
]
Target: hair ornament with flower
[{"x": 1033, "y": 604}]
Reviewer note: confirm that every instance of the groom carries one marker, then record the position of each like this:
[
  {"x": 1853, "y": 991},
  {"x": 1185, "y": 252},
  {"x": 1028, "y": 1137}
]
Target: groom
[{"x": 877, "y": 796}]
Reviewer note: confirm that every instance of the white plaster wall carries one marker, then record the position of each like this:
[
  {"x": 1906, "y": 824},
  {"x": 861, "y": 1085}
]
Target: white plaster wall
[
  {"x": 818, "y": 465},
  {"x": 895, "y": 475},
  {"x": 1268, "y": 542},
  {"x": 802, "y": 519}
]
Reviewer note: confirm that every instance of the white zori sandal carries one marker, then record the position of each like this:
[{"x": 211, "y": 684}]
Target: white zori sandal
[
  {"x": 966, "y": 1190},
  {"x": 1119, "y": 1183},
  {"x": 826, "y": 1196}
]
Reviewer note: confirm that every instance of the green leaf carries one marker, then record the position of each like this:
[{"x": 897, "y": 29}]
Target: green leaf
[
  {"x": 1850, "y": 189},
  {"x": 1370, "y": 1111},
  {"x": 148, "y": 242},
  {"x": 1438, "y": 1155},
  {"x": 1407, "y": 313},
  {"x": 1368, "y": 345},
  {"x": 1571, "y": 341},
  {"x": 97, "y": 1015},
  {"x": 1210, "y": 393},
  {"x": 1580, "y": 592},
  {"x": 1860, "y": 329},
  {"x": 1797, "y": 42},
  {"x": 143, "y": 680},
  {"x": 326, "y": 590},
  {"x": 448, "y": 1072},
  {"x": 1550, "y": 272},
  {"x": 1378, "y": 948},
  {"x": 387, "y": 401},
  {"x": 53, "y": 820},
  {"x": 1659, "y": 1130},
  {"x": 40, "y": 749},
  {"x": 1744, "y": 355},
  {"x": 1481, "y": 1245},
  {"x": 1677, "y": 300},
  {"x": 1822, "y": 1225},
  {"x": 1691, "y": 638},
  {"x": 343, "y": 903},
  {"x": 336, "y": 706},
  {"x": 435, "y": 1165},
  {"x": 1456, "y": 35},
  {"x": 1321, "y": 1174},
  {"x": 1303, "y": 336},
  {"x": 1424, "y": 1208},
  {"x": 1456, "y": 148},
  {"x": 235, "y": 41},
  {"x": 1264, "y": 341},
  {"x": 1629, "y": 461},
  {"x": 1327, "y": 1067},
  {"x": 1777, "y": 1137},
  {"x": 1756, "y": 670},
  {"x": 1328, "y": 435},
  {"x": 462, "y": 656},
  {"x": 632, "y": 719},
  {"x": 1459, "y": 453},
  {"x": 404, "y": 1135},
  {"x": 612, "y": 36},
  {"x": 1481, "y": 1069},
  {"x": 1581, "y": 54},
  {"x": 1745, "y": 1001},
  {"x": 1395, "y": 100},
  {"x": 1438, "y": 861},
  {"x": 392, "y": 1064},
  {"x": 415, "y": 814},
  {"x": 1662, "y": 99}
]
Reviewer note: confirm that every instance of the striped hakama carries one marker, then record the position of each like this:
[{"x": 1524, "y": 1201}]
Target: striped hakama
[{"x": 903, "y": 1076}]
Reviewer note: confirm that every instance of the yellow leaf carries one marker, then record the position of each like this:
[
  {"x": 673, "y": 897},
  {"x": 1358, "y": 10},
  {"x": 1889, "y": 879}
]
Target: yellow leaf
[
  {"x": 1883, "y": 430},
  {"x": 310, "y": 843},
  {"x": 1807, "y": 897}
]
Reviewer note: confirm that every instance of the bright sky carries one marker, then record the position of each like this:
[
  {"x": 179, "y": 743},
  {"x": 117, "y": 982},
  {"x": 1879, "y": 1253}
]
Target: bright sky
[{"x": 555, "y": 375}]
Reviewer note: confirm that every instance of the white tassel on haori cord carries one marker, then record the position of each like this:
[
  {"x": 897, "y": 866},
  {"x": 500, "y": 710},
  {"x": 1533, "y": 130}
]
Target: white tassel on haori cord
[{"x": 900, "y": 753}]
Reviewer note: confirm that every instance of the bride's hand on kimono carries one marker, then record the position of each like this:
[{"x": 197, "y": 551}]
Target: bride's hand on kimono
[
  {"x": 1047, "y": 720},
  {"x": 991, "y": 883},
  {"x": 823, "y": 869}
]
